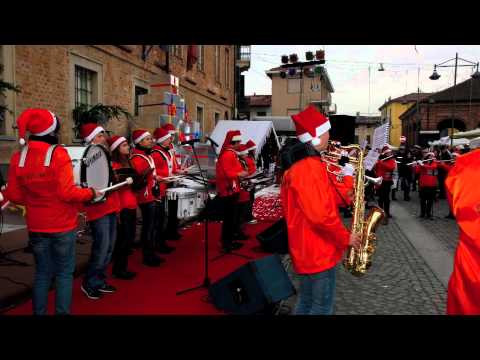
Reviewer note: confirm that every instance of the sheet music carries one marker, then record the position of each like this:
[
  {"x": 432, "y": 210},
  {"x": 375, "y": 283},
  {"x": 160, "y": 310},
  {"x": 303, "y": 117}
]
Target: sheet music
[{"x": 380, "y": 137}]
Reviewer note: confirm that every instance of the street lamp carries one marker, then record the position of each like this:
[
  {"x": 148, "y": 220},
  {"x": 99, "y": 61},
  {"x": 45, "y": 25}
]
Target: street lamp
[{"x": 436, "y": 76}]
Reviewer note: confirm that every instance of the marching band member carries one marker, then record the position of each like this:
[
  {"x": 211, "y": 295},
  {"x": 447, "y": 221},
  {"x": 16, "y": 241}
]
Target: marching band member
[
  {"x": 317, "y": 237},
  {"x": 172, "y": 221},
  {"x": 164, "y": 168},
  {"x": 147, "y": 194},
  {"x": 244, "y": 196},
  {"x": 51, "y": 198},
  {"x": 102, "y": 218},
  {"x": 427, "y": 171},
  {"x": 464, "y": 198},
  {"x": 250, "y": 159},
  {"x": 384, "y": 168},
  {"x": 229, "y": 171},
  {"x": 127, "y": 222}
]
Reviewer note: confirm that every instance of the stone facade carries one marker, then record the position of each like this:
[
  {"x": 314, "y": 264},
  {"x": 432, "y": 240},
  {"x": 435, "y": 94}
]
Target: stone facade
[{"x": 46, "y": 76}]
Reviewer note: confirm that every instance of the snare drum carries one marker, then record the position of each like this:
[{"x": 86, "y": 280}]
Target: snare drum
[
  {"x": 187, "y": 202},
  {"x": 91, "y": 167}
]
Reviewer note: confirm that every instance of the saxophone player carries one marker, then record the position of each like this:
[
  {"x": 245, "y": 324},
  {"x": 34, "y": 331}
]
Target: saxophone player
[{"x": 316, "y": 235}]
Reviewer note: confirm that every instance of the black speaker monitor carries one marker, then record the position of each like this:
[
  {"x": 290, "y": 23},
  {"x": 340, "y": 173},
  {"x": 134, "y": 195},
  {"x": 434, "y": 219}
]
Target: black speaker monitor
[{"x": 252, "y": 287}]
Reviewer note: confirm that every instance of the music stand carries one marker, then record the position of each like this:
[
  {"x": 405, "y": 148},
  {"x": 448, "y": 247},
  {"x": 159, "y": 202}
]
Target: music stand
[{"x": 206, "y": 280}]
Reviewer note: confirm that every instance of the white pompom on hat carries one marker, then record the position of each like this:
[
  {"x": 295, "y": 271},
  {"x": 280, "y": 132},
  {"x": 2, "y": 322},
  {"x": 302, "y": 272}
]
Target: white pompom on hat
[{"x": 37, "y": 122}]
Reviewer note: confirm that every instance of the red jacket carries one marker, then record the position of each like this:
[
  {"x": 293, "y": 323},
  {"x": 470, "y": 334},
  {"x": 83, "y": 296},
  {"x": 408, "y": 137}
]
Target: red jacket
[
  {"x": 251, "y": 165},
  {"x": 49, "y": 193},
  {"x": 385, "y": 169},
  {"x": 165, "y": 166},
  {"x": 227, "y": 169},
  {"x": 464, "y": 196},
  {"x": 144, "y": 164},
  {"x": 317, "y": 237},
  {"x": 427, "y": 174},
  {"x": 110, "y": 206},
  {"x": 126, "y": 196}
]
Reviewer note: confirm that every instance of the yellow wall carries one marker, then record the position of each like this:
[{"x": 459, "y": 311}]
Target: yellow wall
[{"x": 392, "y": 112}]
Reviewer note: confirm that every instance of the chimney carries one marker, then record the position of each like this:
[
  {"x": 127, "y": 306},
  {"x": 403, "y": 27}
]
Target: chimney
[{"x": 358, "y": 113}]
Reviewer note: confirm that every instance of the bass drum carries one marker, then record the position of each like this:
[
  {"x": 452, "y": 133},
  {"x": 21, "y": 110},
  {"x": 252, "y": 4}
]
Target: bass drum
[{"x": 91, "y": 167}]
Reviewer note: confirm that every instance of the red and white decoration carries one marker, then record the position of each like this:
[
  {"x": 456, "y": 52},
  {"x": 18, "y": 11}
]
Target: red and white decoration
[{"x": 310, "y": 124}]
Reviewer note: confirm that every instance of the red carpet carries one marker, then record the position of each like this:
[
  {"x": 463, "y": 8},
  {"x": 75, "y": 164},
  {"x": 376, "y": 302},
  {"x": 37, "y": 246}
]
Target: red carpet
[{"x": 153, "y": 292}]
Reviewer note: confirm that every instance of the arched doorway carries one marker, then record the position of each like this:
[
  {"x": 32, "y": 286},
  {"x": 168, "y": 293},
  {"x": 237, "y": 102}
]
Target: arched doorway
[{"x": 445, "y": 125}]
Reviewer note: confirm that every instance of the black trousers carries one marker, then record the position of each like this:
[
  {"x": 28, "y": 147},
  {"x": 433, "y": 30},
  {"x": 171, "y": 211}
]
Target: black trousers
[
  {"x": 147, "y": 236},
  {"x": 384, "y": 196},
  {"x": 243, "y": 209},
  {"x": 441, "y": 184},
  {"x": 250, "y": 205},
  {"x": 126, "y": 227},
  {"x": 427, "y": 196},
  {"x": 405, "y": 183},
  {"x": 230, "y": 218},
  {"x": 160, "y": 239},
  {"x": 172, "y": 221}
]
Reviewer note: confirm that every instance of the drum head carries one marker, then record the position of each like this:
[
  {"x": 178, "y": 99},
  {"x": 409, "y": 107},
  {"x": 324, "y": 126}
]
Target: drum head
[{"x": 95, "y": 171}]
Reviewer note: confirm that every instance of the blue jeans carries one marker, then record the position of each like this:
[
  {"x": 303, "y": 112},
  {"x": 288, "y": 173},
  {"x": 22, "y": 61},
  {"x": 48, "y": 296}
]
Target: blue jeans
[
  {"x": 104, "y": 232},
  {"x": 317, "y": 293},
  {"x": 54, "y": 255}
]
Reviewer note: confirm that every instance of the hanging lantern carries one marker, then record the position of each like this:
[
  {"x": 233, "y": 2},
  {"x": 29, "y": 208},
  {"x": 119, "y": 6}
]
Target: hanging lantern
[
  {"x": 309, "y": 55},
  {"x": 293, "y": 58},
  {"x": 284, "y": 59}
]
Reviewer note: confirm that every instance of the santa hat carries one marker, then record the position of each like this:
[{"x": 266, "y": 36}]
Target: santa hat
[
  {"x": 310, "y": 125},
  {"x": 170, "y": 128},
  {"x": 232, "y": 135},
  {"x": 242, "y": 150},
  {"x": 161, "y": 134},
  {"x": 139, "y": 135},
  {"x": 89, "y": 131},
  {"x": 115, "y": 141},
  {"x": 387, "y": 149},
  {"x": 430, "y": 155},
  {"x": 37, "y": 122},
  {"x": 250, "y": 145}
]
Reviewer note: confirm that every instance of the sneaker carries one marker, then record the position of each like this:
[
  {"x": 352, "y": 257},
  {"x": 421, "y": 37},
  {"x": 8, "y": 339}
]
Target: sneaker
[
  {"x": 108, "y": 289},
  {"x": 154, "y": 261},
  {"x": 165, "y": 249},
  {"x": 124, "y": 275},
  {"x": 252, "y": 222},
  {"x": 92, "y": 294},
  {"x": 241, "y": 236},
  {"x": 174, "y": 237}
]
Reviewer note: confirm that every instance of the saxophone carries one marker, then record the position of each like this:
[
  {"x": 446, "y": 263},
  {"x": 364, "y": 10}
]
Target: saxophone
[{"x": 357, "y": 262}]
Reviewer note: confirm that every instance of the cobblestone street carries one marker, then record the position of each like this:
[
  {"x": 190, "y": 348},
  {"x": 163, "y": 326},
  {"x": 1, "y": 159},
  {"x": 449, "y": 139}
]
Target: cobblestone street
[{"x": 400, "y": 281}]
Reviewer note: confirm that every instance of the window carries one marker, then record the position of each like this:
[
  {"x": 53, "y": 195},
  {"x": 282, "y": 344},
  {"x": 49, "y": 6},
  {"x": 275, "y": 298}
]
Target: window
[
  {"x": 217, "y": 63},
  {"x": 200, "y": 118},
  {"x": 216, "y": 117},
  {"x": 368, "y": 139},
  {"x": 84, "y": 80},
  {"x": 178, "y": 51},
  {"x": 201, "y": 58},
  {"x": 139, "y": 91},
  {"x": 293, "y": 86},
  {"x": 261, "y": 113},
  {"x": 227, "y": 68}
]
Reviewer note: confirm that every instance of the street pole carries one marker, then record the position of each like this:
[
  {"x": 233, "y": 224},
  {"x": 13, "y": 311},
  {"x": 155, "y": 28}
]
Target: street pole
[{"x": 454, "y": 99}]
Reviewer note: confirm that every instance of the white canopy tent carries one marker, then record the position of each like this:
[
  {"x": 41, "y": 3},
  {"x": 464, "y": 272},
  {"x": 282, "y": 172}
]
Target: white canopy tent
[
  {"x": 447, "y": 141},
  {"x": 467, "y": 134},
  {"x": 258, "y": 131},
  {"x": 475, "y": 143}
]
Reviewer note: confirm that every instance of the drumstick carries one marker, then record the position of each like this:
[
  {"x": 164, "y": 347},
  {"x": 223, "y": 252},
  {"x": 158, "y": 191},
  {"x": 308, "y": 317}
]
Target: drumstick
[
  {"x": 116, "y": 186},
  {"x": 5, "y": 205}
]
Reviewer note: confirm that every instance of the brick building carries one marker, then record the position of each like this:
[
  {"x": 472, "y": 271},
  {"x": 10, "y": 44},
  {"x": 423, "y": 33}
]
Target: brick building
[
  {"x": 61, "y": 77},
  {"x": 432, "y": 119}
]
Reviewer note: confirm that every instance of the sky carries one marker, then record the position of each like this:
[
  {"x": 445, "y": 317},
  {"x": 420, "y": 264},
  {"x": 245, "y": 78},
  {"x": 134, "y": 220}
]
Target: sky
[{"x": 356, "y": 88}]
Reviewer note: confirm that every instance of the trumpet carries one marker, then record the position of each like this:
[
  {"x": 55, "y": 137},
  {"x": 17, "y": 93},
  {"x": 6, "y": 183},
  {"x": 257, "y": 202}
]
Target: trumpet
[{"x": 334, "y": 153}]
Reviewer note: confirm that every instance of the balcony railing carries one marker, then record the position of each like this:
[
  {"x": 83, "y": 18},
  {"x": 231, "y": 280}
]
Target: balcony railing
[{"x": 244, "y": 57}]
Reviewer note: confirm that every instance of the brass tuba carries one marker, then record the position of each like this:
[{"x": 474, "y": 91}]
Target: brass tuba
[{"x": 357, "y": 262}]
